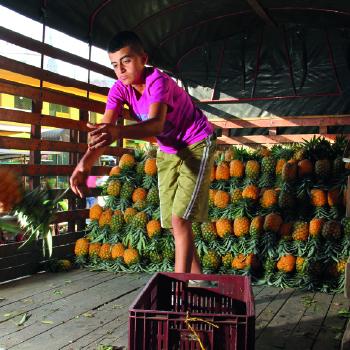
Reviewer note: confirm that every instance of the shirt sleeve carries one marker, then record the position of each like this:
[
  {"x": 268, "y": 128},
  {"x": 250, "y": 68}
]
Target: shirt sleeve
[
  {"x": 116, "y": 98},
  {"x": 159, "y": 91}
]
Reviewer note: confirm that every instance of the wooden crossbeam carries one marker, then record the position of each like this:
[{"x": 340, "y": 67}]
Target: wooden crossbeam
[{"x": 262, "y": 13}]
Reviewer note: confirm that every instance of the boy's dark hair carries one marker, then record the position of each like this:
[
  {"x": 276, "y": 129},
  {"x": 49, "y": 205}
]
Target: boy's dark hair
[{"x": 123, "y": 39}]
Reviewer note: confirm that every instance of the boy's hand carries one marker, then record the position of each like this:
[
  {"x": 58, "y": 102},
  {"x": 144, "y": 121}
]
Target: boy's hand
[
  {"x": 78, "y": 182},
  {"x": 102, "y": 135}
]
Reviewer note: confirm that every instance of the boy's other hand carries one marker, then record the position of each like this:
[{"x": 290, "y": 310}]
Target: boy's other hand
[
  {"x": 78, "y": 182},
  {"x": 102, "y": 135}
]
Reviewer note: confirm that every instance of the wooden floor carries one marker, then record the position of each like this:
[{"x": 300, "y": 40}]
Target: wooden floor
[{"x": 82, "y": 310}]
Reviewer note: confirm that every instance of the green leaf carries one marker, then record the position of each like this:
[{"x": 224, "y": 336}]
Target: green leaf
[
  {"x": 48, "y": 240},
  {"x": 344, "y": 313},
  {"x": 24, "y": 318},
  {"x": 46, "y": 321}
]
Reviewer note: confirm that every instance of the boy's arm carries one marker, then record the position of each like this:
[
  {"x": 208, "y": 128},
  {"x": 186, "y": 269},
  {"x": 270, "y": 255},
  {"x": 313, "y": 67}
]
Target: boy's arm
[
  {"x": 105, "y": 134},
  {"x": 83, "y": 168}
]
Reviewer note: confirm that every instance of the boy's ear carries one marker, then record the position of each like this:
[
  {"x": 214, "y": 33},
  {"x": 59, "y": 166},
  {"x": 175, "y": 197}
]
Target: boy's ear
[{"x": 144, "y": 58}]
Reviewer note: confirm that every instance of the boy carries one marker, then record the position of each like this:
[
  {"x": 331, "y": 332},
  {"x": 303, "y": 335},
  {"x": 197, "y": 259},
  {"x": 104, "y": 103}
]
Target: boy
[{"x": 183, "y": 133}]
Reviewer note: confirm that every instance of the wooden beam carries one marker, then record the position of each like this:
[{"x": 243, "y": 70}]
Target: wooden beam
[
  {"x": 72, "y": 215},
  {"x": 59, "y": 146},
  {"x": 52, "y": 96},
  {"x": 264, "y": 139},
  {"x": 262, "y": 13},
  {"x": 281, "y": 122},
  {"x": 47, "y": 76},
  {"x": 48, "y": 50}
]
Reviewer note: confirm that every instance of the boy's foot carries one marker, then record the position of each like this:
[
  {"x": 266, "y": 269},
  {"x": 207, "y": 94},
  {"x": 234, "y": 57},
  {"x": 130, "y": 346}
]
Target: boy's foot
[{"x": 199, "y": 284}]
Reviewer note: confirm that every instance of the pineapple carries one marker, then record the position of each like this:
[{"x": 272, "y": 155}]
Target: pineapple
[
  {"x": 153, "y": 196},
  {"x": 346, "y": 226},
  {"x": 319, "y": 201},
  {"x": 300, "y": 264},
  {"x": 315, "y": 227},
  {"x": 126, "y": 192},
  {"x": 222, "y": 171},
  {"x": 105, "y": 218},
  {"x": 81, "y": 248},
  {"x": 251, "y": 192},
  {"x": 223, "y": 227},
  {"x": 269, "y": 198},
  {"x": 212, "y": 173},
  {"x": 129, "y": 214},
  {"x": 117, "y": 251},
  {"x": 268, "y": 165},
  {"x": 241, "y": 226},
  {"x": 286, "y": 263},
  {"x": 332, "y": 230},
  {"x": 239, "y": 262},
  {"x": 279, "y": 166},
  {"x": 105, "y": 252},
  {"x": 252, "y": 171},
  {"x": 226, "y": 260},
  {"x": 323, "y": 169},
  {"x": 272, "y": 222},
  {"x": 150, "y": 167},
  {"x": 94, "y": 249},
  {"x": 236, "y": 195},
  {"x": 155, "y": 257},
  {"x": 285, "y": 231},
  {"x": 305, "y": 168},
  {"x": 208, "y": 231},
  {"x": 300, "y": 231},
  {"x": 127, "y": 161},
  {"x": 131, "y": 256},
  {"x": 113, "y": 188},
  {"x": 289, "y": 172},
  {"x": 256, "y": 226},
  {"x": 140, "y": 205},
  {"x": 229, "y": 154},
  {"x": 10, "y": 190},
  {"x": 286, "y": 200},
  {"x": 211, "y": 261},
  {"x": 153, "y": 228},
  {"x": 196, "y": 230},
  {"x": 221, "y": 199},
  {"x": 338, "y": 168},
  {"x": 115, "y": 171},
  {"x": 117, "y": 221},
  {"x": 140, "y": 220},
  {"x": 139, "y": 194},
  {"x": 95, "y": 212},
  {"x": 236, "y": 168}
]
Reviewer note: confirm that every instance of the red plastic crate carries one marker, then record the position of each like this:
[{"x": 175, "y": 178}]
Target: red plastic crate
[{"x": 157, "y": 316}]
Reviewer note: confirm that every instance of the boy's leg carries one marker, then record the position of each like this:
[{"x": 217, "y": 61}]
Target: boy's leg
[{"x": 186, "y": 258}]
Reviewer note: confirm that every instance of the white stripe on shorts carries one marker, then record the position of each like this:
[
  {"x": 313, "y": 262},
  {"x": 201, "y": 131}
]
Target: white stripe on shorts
[{"x": 204, "y": 161}]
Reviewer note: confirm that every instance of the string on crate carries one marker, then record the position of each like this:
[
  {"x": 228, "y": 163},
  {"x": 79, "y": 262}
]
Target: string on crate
[{"x": 188, "y": 321}]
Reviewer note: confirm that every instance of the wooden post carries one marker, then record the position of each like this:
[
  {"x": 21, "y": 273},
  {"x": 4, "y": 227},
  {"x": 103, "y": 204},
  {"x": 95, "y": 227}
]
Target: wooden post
[
  {"x": 35, "y": 133},
  {"x": 347, "y": 267}
]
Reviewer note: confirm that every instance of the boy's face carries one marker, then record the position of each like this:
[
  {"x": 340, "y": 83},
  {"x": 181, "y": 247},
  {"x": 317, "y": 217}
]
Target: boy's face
[{"x": 128, "y": 65}]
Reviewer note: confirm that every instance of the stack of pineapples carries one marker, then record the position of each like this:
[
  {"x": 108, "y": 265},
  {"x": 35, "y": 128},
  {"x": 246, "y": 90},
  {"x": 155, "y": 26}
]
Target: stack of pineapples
[{"x": 276, "y": 214}]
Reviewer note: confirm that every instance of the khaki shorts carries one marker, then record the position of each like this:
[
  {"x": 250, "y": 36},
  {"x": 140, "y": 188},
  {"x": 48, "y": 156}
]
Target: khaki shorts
[{"x": 184, "y": 180}]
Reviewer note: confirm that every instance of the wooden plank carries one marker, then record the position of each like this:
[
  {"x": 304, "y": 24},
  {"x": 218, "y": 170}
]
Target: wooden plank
[
  {"x": 330, "y": 333},
  {"x": 58, "y": 313},
  {"x": 21, "y": 290},
  {"x": 17, "y": 259},
  {"x": 53, "y": 170},
  {"x": 59, "y": 146},
  {"x": 18, "y": 116},
  {"x": 264, "y": 139},
  {"x": 52, "y": 96},
  {"x": 47, "y": 76},
  {"x": 45, "y": 49},
  {"x": 105, "y": 327},
  {"x": 266, "y": 316},
  {"x": 13, "y": 249},
  {"x": 19, "y": 271},
  {"x": 64, "y": 216},
  {"x": 345, "y": 342},
  {"x": 282, "y": 322},
  {"x": 280, "y": 122},
  {"x": 67, "y": 238},
  {"x": 44, "y": 297},
  {"x": 306, "y": 330},
  {"x": 266, "y": 296}
]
